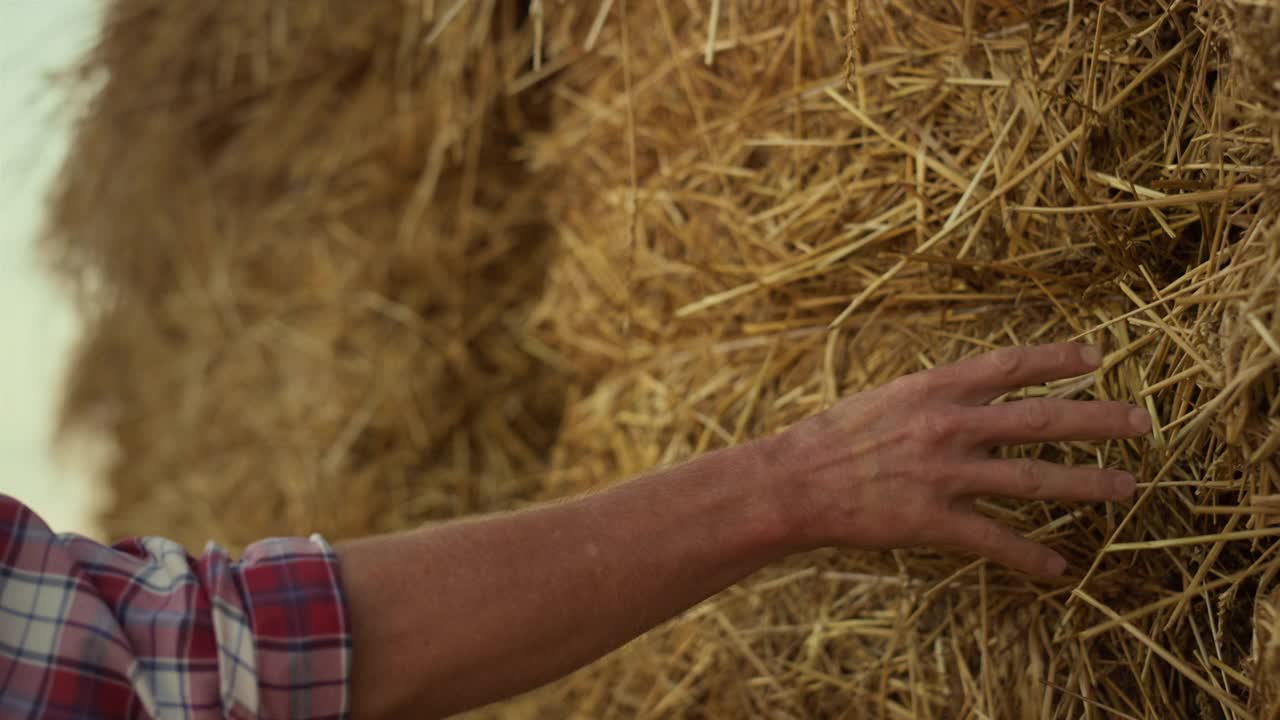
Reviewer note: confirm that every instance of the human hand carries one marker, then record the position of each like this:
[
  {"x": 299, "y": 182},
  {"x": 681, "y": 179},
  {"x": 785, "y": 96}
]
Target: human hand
[{"x": 900, "y": 465}]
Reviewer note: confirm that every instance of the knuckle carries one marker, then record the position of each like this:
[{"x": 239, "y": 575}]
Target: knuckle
[
  {"x": 988, "y": 537},
  {"x": 937, "y": 425},
  {"x": 948, "y": 480},
  {"x": 1030, "y": 478},
  {"x": 926, "y": 383},
  {"x": 1036, "y": 414},
  {"x": 1007, "y": 361},
  {"x": 908, "y": 385},
  {"x": 936, "y": 479}
]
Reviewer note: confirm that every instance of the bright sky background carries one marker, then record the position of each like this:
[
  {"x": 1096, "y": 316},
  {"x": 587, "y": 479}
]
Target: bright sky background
[{"x": 37, "y": 325}]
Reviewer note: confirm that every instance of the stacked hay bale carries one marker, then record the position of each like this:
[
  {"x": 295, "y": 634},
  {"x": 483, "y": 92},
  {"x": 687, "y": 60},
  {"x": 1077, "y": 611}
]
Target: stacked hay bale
[
  {"x": 764, "y": 209},
  {"x": 313, "y": 258},
  {"x": 307, "y": 251}
]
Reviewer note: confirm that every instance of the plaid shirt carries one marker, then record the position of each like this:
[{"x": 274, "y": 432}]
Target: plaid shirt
[{"x": 142, "y": 629}]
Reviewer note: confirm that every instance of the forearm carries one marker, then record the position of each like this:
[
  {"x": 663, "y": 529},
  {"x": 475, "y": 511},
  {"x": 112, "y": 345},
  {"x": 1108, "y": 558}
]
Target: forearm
[{"x": 461, "y": 614}]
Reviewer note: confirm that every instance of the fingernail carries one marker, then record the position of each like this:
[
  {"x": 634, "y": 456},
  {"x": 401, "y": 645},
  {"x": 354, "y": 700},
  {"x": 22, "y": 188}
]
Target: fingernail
[
  {"x": 1091, "y": 355},
  {"x": 1125, "y": 486},
  {"x": 1140, "y": 420},
  {"x": 1056, "y": 566}
]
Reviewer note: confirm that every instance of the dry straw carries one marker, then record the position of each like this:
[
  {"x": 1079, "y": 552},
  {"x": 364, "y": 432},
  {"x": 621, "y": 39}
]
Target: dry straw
[
  {"x": 307, "y": 253},
  {"x": 849, "y": 192},
  {"x": 315, "y": 231}
]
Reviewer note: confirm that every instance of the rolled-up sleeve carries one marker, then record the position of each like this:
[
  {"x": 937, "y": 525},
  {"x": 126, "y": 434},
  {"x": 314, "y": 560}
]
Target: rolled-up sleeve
[{"x": 143, "y": 629}]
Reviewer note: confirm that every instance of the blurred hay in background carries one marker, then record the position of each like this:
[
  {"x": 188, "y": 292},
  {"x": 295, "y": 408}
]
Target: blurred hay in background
[
  {"x": 776, "y": 205},
  {"x": 318, "y": 259},
  {"x": 307, "y": 253}
]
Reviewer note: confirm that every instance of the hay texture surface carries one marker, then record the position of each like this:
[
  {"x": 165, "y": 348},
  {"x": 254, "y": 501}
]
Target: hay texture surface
[
  {"x": 797, "y": 201},
  {"x": 307, "y": 251},
  {"x": 321, "y": 305}
]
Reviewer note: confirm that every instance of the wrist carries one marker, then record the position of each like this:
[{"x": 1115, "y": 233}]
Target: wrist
[
  {"x": 779, "y": 467},
  {"x": 814, "y": 472}
]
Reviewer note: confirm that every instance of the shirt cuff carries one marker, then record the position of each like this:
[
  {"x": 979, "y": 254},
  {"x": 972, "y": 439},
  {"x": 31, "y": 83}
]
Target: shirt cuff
[{"x": 293, "y": 602}]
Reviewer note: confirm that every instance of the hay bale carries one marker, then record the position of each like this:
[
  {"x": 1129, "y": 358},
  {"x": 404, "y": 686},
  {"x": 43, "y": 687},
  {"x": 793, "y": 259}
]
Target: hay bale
[
  {"x": 306, "y": 250},
  {"x": 312, "y": 238},
  {"x": 761, "y": 210}
]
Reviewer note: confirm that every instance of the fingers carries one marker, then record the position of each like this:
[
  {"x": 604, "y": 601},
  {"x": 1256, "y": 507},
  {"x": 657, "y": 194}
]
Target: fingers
[
  {"x": 1044, "y": 420},
  {"x": 972, "y": 532},
  {"x": 1038, "y": 480},
  {"x": 982, "y": 379}
]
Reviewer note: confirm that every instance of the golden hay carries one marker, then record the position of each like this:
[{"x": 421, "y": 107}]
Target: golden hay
[
  {"x": 846, "y": 194},
  {"x": 318, "y": 262},
  {"x": 307, "y": 253}
]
